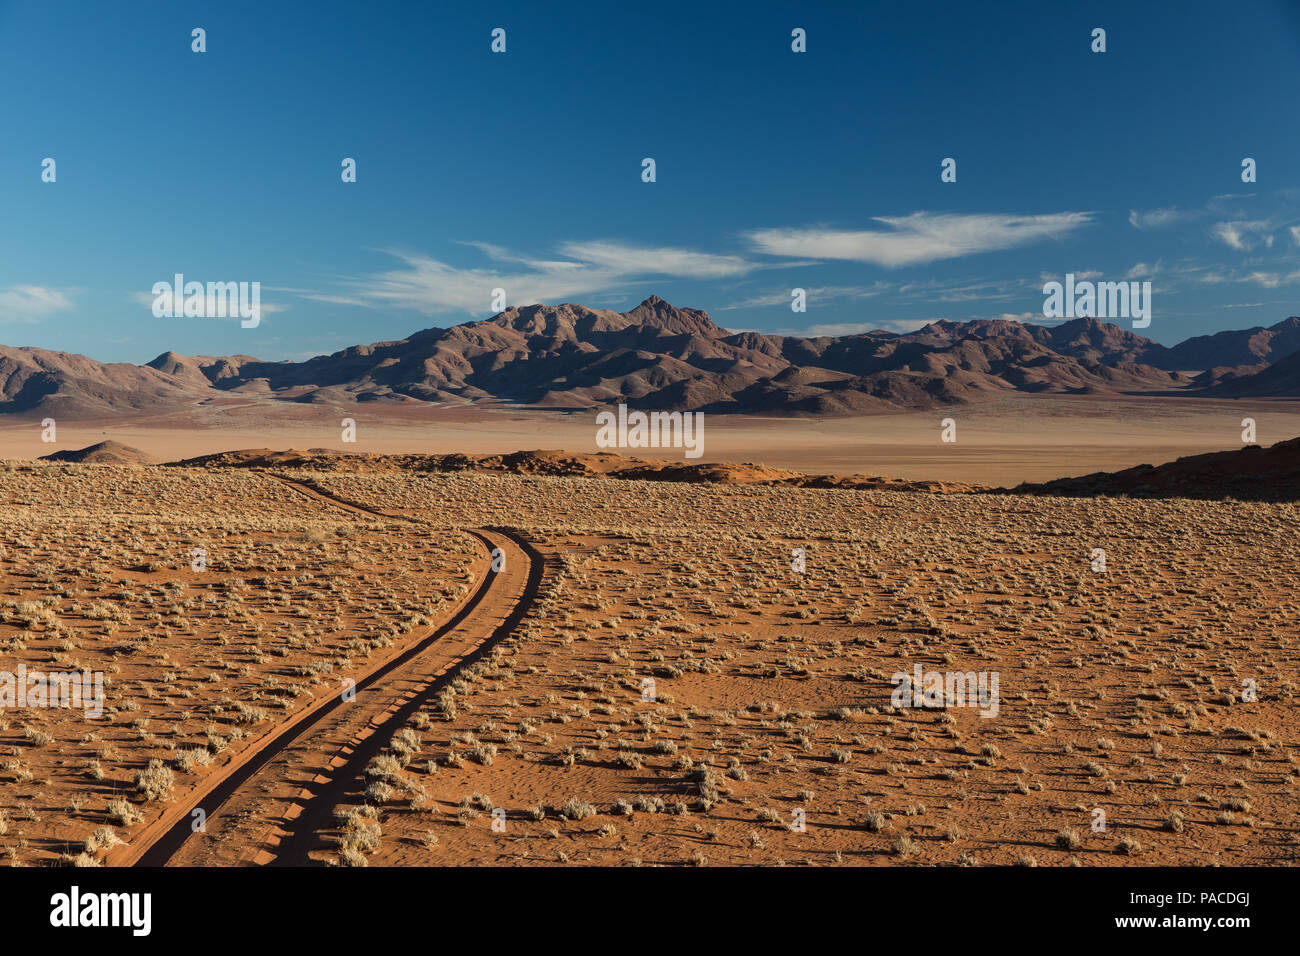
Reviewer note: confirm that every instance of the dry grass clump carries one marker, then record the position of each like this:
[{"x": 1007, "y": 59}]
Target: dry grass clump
[{"x": 156, "y": 782}]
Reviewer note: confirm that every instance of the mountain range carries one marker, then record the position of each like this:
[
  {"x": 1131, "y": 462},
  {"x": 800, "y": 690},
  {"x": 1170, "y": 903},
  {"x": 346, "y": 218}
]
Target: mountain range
[{"x": 658, "y": 356}]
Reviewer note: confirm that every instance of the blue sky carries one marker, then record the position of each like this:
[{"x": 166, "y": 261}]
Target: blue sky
[{"x": 522, "y": 170}]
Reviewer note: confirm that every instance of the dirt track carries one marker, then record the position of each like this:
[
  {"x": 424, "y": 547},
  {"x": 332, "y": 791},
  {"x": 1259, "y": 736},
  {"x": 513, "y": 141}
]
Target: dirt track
[{"x": 266, "y": 806}]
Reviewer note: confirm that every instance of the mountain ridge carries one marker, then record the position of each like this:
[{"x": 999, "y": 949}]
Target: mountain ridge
[{"x": 657, "y": 355}]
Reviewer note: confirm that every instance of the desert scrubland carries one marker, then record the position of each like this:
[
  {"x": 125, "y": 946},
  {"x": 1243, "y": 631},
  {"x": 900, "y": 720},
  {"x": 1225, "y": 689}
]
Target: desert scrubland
[
  {"x": 708, "y": 674},
  {"x": 100, "y": 574}
]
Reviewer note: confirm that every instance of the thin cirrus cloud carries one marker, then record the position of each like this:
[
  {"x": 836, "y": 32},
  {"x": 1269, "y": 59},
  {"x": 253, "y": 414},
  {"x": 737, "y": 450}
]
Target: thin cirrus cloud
[
  {"x": 1244, "y": 235},
  {"x": 1271, "y": 280},
  {"x": 31, "y": 303},
  {"x": 918, "y": 238},
  {"x": 428, "y": 285},
  {"x": 1158, "y": 218},
  {"x": 1259, "y": 277},
  {"x": 1144, "y": 270},
  {"x": 1233, "y": 225},
  {"x": 583, "y": 268},
  {"x": 631, "y": 260}
]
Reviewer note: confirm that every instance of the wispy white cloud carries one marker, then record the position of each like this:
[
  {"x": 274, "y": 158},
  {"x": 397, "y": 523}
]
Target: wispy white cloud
[
  {"x": 641, "y": 260},
  {"x": 1259, "y": 277},
  {"x": 1158, "y": 218},
  {"x": 1144, "y": 270},
  {"x": 919, "y": 238},
  {"x": 1243, "y": 235},
  {"x": 428, "y": 285},
  {"x": 1271, "y": 280},
  {"x": 1234, "y": 226},
  {"x": 32, "y": 303},
  {"x": 603, "y": 270}
]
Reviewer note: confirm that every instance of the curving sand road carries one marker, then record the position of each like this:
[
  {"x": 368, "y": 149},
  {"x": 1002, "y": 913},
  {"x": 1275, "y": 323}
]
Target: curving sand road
[{"x": 267, "y": 805}]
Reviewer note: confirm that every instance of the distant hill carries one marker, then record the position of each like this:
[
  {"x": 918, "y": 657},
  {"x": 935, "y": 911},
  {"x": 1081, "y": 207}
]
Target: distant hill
[
  {"x": 1250, "y": 473},
  {"x": 103, "y": 453},
  {"x": 1258, "y": 346},
  {"x": 1280, "y": 378},
  {"x": 659, "y": 356},
  {"x": 70, "y": 385}
]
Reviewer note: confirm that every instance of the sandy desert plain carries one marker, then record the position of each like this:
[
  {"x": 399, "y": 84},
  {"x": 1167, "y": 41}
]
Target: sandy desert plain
[
  {"x": 1001, "y": 441},
  {"x": 374, "y": 664}
]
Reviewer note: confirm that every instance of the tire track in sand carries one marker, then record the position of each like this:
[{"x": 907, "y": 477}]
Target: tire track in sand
[{"x": 266, "y": 805}]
